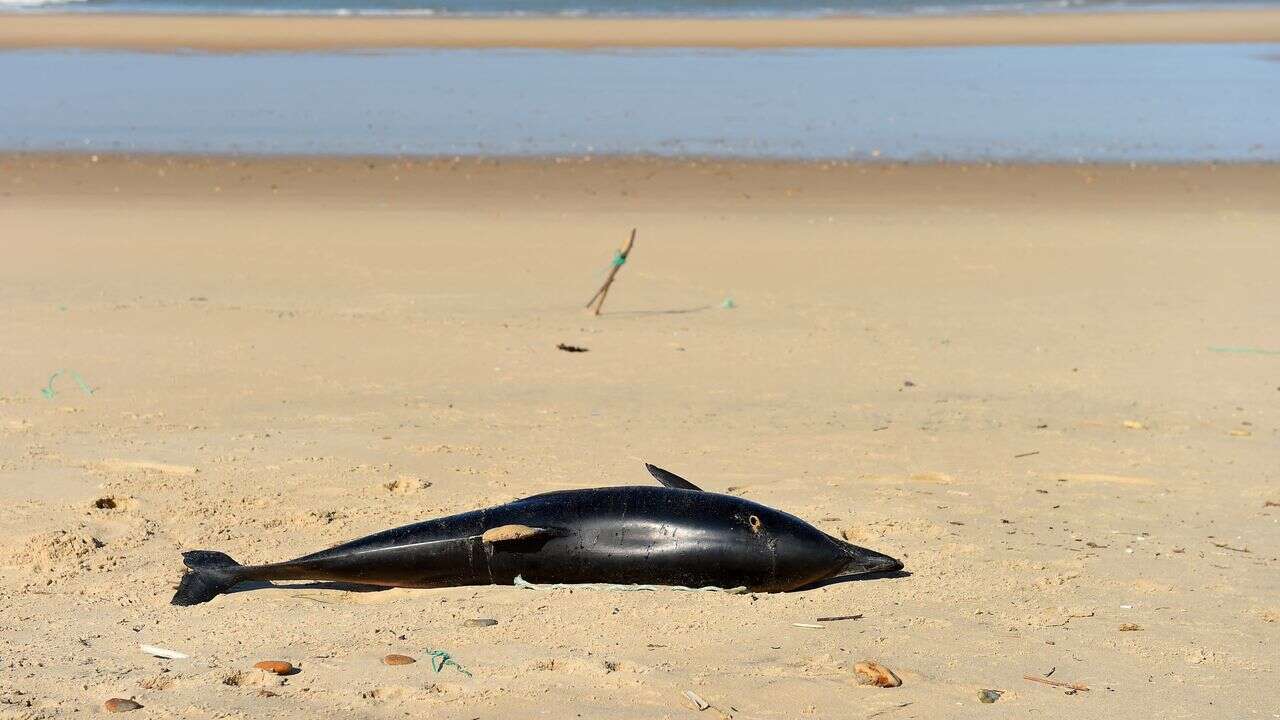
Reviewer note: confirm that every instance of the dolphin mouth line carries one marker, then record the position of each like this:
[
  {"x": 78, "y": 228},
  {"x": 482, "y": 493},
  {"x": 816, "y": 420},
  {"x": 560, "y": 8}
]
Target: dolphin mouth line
[{"x": 865, "y": 562}]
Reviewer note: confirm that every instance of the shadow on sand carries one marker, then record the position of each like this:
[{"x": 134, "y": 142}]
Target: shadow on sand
[
  {"x": 358, "y": 588},
  {"x": 265, "y": 585},
  {"x": 853, "y": 578},
  {"x": 640, "y": 313}
]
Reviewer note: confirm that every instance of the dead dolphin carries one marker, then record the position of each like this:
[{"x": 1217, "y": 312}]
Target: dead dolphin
[{"x": 671, "y": 535}]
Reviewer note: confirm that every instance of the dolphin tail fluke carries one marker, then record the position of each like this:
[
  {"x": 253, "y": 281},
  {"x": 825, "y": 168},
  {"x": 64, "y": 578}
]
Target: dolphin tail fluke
[{"x": 210, "y": 574}]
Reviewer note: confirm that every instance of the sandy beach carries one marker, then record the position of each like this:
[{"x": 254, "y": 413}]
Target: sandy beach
[
  {"x": 236, "y": 34},
  {"x": 1051, "y": 390}
]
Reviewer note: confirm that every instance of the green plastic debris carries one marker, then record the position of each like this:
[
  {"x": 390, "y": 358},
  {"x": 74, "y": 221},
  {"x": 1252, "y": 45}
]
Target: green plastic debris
[
  {"x": 49, "y": 392},
  {"x": 440, "y": 658}
]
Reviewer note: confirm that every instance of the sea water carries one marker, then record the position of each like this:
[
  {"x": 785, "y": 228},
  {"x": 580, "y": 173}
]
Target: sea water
[{"x": 1115, "y": 103}]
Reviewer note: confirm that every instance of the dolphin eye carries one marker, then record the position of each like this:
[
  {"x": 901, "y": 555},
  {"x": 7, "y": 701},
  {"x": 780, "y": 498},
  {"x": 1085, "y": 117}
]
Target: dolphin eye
[{"x": 754, "y": 522}]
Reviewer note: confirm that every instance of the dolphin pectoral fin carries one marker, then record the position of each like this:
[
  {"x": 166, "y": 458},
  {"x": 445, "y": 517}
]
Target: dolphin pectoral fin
[
  {"x": 513, "y": 533},
  {"x": 670, "y": 479}
]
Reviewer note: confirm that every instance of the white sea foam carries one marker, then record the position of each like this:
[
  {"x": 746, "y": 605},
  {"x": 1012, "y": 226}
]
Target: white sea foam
[{"x": 36, "y": 3}]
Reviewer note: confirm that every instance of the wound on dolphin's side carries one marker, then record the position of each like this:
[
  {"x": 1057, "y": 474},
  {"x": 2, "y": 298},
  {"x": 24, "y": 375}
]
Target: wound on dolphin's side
[{"x": 508, "y": 533}]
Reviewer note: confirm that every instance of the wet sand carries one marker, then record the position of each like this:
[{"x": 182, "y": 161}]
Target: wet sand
[
  {"x": 236, "y": 34},
  {"x": 1047, "y": 388}
]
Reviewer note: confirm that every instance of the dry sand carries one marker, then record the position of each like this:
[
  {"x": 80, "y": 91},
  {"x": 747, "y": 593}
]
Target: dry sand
[
  {"x": 223, "y": 33},
  {"x": 1001, "y": 375}
]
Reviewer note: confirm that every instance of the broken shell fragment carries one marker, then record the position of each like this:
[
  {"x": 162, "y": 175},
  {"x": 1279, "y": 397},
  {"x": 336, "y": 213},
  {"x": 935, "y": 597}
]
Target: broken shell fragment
[
  {"x": 166, "y": 653},
  {"x": 276, "y": 667},
  {"x": 873, "y": 673},
  {"x": 695, "y": 700},
  {"x": 398, "y": 660},
  {"x": 121, "y": 705}
]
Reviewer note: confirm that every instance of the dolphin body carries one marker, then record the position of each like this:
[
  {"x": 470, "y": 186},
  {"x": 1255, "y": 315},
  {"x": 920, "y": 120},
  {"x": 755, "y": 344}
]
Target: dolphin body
[{"x": 671, "y": 535}]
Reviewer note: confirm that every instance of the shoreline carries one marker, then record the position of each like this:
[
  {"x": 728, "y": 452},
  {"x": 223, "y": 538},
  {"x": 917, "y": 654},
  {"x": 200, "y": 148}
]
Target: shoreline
[
  {"x": 572, "y": 159},
  {"x": 642, "y": 183},
  {"x": 163, "y": 33}
]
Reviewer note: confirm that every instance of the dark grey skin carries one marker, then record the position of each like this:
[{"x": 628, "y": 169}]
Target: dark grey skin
[{"x": 671, "y": 535}]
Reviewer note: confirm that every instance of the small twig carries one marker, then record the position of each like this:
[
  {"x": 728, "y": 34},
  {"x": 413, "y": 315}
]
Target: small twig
[
  {"x": 1057, "y": 683},
  {"x": 1069, "y": 619},
  {"x": 881, "y": 711},
  {"x": 619, "y": 260},
  {"x": 834, "y": 618},
  {"x": 1027, "y": 454}
]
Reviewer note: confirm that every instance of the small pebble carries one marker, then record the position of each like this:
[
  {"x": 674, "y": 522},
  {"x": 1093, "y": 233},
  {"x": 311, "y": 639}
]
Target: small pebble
[
  {"x": 481, "y": 622},
  {"x": 120, "y": 705},
  {"x": 989, "y": 696},
  {"x": 277, "y": 667},
  {"x": 873, "y": 673},
  {"x": 398, "y": 660},
  {"x": 267, "y": 693}
]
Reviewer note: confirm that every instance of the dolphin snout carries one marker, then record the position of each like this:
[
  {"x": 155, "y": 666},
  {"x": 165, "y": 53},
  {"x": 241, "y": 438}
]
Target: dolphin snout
[{"x": 862, "y": 561}]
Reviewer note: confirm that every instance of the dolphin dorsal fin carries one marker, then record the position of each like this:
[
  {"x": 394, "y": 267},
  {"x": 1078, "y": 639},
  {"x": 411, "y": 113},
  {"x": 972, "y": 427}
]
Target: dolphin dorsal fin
[{"x": 670, "y": 479}]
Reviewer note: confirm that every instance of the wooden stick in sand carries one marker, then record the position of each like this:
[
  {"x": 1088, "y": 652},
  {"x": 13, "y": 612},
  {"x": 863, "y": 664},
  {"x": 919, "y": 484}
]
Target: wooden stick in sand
[
  {"x": 618, "y": 261},
  {"x": 1057, "y": 683}
]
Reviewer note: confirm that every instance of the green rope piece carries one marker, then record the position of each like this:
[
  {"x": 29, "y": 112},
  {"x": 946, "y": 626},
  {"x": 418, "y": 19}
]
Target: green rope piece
[
  {"x": 619, "y": 259},
  {"x": 1253, "y": 350},
  {"x": 440, "y": 658},
  {"x": 48, "y": 391}
]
